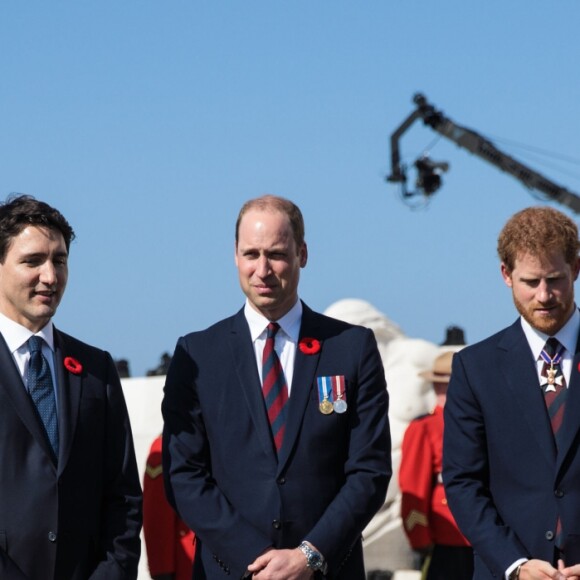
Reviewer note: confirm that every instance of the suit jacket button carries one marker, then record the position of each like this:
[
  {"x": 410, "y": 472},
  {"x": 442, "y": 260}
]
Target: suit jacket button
[
  {"x": 51, "y": 537},
  {"x": 282, "y": 480},
  {"x": 549, "y": 535},
  {"x": 559, "y": 493},
  {"x": 276, "y": 524}
]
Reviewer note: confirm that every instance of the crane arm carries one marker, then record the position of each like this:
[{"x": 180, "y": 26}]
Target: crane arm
[{"x": 480, "y": 146}]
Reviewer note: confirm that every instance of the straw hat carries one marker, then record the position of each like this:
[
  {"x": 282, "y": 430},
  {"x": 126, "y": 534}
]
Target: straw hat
[{"x": 441, "y": 372}]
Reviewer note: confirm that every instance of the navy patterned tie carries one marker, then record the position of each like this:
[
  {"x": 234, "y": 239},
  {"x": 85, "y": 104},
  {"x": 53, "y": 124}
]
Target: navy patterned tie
[
  {"x": 41, "y": 390},
  {"x": 274, "y": 386}
]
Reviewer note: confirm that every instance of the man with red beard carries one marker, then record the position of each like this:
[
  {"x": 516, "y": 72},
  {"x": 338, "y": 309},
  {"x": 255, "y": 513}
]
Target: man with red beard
[{"x": 511, "y": 461}]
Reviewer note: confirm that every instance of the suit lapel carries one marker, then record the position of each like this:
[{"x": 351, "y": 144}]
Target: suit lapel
[
  {"x": 249, "y": 380},
  {"x": 304, "y": 372},
  {"x": 11, "y": 383},
  {"x": 570, "y": 426},
  {"x": 69, "y": 388},
  {"x": 518, "y": 367}
]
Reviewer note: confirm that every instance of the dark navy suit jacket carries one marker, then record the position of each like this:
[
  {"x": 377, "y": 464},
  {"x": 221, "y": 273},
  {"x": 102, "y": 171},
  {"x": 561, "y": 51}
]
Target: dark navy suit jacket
[
  {"x": 221, "y": 468},
  {"x": 80, "y": 518},
  {"x": 506, "y": 482}
]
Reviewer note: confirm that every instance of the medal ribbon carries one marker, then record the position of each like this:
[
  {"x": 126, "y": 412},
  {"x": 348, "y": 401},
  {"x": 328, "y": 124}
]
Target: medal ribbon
[
  {"x": 338, "y": 387},
  {"x": 324, "y": 389},
  {"x": 552, "y": 361}
]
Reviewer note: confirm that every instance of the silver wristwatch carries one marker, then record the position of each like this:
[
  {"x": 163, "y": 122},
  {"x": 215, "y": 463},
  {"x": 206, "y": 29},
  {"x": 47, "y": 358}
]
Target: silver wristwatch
[{"x": 314, "y": 560}]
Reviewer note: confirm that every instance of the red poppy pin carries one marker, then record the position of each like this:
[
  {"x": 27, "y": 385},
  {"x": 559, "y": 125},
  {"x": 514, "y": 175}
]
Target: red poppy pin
[
  {"x": 73, "y": 365},
  {"x": 309, "y": 345}
]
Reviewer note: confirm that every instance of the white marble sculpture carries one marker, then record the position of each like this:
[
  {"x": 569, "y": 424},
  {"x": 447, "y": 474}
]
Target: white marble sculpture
[{"x": 410, "y": 396}]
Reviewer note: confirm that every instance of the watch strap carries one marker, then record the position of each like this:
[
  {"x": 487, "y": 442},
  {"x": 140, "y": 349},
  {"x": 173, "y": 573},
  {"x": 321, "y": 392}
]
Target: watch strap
[
  {"x": 314, "y": 559},
  {"x": 515, "y": 574}
]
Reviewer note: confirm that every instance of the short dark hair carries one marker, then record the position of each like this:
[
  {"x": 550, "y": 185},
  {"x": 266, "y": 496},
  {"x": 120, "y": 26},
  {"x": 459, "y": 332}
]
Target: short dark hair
[
  {"x": 538, "y": 231},
  {"x": 276, "y": 203},
  {"x": 20, "y": 211}
]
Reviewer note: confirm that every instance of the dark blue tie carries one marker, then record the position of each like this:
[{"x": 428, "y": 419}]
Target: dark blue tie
[{"x": 41, "y": 390}]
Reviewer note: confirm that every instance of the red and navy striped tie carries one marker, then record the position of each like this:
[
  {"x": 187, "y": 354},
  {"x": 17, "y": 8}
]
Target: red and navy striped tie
[
  {"x": 555, "y": 394},
  {"x": 274, "y": 386},
  {"x": 555, "y": 397}
]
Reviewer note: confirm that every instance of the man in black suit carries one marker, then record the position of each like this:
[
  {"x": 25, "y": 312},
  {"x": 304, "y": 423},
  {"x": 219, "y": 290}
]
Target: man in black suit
[
  {"x": 511, "y": 456},
  {"x": 70, "y": 498},
  {"x": 276, "y": 438}
]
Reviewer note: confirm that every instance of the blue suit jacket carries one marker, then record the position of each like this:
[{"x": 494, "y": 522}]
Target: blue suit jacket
[
  {"x": 81, "y": 518},
  {"x": 505, "y": 481},
  {"x": 221, "y": 468}
]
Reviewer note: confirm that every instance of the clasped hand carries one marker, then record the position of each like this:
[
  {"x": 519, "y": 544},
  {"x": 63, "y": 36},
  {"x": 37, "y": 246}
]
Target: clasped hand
[
  {"x": 280, "y": 565},
  {"x": 541, "y": 570}
]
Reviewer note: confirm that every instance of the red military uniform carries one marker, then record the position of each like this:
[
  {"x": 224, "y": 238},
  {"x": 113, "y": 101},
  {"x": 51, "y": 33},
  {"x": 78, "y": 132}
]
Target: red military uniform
[
  {"x": 170, "y": 544},
  {"x": 427, "y": 519}
]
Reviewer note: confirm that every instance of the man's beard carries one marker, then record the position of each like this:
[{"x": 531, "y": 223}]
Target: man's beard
[{"x": 549, "y": 323}]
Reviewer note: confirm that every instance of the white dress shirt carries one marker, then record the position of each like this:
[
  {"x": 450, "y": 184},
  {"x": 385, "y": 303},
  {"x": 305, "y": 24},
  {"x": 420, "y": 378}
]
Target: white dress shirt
[
  {"x": 286, "y": 338},
  {"x": 567, "y": 336},
  {"x": 16, "y": 337}
]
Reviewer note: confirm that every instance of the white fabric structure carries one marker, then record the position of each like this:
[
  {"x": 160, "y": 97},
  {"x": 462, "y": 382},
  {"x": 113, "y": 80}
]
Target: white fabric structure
[
  {"x": 143, "y": 396},
  {"x": 385, "y": 544}
]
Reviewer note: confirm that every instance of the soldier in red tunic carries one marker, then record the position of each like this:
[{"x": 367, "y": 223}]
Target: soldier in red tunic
[
  {"x": 170, "y": 544},
  {"x": 427, "y": 520}
]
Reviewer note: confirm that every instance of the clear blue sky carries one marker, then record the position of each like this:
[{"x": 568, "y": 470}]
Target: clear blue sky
[{"x": 148, "y": 123}]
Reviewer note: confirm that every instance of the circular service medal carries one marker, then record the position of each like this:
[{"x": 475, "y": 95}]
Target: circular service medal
[
  {"x": 340, "y": 406},
  {"x": 326, "y": 407}
]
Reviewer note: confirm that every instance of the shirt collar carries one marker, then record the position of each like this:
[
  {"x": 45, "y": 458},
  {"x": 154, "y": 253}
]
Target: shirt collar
[
  {"x": 17, "y": 335},
  {"x": 289, "y": 323},
  {"x": 567, "y": 335}
]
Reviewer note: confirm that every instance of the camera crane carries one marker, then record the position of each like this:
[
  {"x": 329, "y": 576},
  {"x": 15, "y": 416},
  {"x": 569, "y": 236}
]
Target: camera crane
[{"x": 429, "y": 172}]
